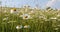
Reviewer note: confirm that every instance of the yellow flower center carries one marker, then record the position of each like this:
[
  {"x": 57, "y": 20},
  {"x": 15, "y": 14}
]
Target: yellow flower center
[{"x": 26, "y": 16}]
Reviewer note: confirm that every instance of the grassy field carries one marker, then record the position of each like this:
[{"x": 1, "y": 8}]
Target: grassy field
[{"x": 36, "y": 20}]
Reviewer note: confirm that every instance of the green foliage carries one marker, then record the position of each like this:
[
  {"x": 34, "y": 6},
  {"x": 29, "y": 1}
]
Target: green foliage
[{"x": 41, "y": 21}]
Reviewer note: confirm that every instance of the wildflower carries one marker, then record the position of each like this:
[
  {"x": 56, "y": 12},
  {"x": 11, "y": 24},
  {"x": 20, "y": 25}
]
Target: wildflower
[
  {"x": 25, "y": 16},
  {"x": 13, "y": 11},
  {"x": 26, "y": 26},
  {"x": 19, "y": 27}
]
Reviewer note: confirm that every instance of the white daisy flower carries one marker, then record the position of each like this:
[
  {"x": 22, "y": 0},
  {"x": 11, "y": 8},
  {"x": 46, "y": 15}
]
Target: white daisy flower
[
  {"x": 13, "y": 11},
  {"x": 25, "y": 16},
  {"x": 19, "y": 27},
  {"x": 26, "y": 26}
]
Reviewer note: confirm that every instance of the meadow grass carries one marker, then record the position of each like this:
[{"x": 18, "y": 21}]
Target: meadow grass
[{"x": 41, "y": 21}]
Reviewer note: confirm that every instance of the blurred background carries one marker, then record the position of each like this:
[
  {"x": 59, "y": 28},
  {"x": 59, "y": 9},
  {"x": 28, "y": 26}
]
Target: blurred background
[{"x": 32, "y": 3}]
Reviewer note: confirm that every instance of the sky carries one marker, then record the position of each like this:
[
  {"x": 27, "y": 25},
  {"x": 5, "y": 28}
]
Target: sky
[{"x": 32, "y": 3}]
